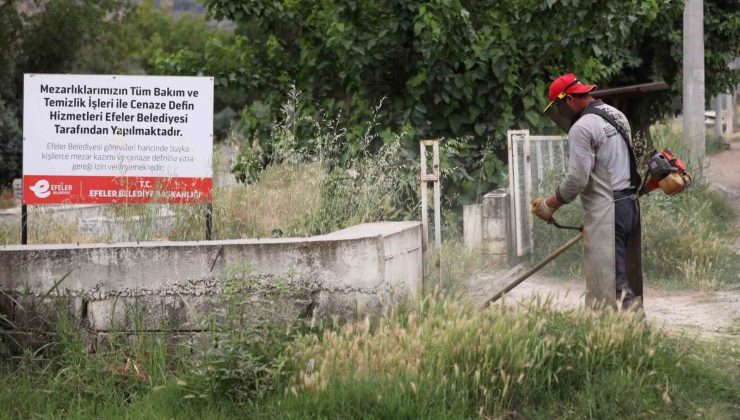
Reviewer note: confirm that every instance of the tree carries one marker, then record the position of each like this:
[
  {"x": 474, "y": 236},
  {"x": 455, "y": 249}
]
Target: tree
[
  {"x": 45, "y": 38},
  {"x": 82, "y": 36},
  {"x": 454, "y": 67},
  {"x": 451, "y": 68},
  {"x": 447, "y": 68}
]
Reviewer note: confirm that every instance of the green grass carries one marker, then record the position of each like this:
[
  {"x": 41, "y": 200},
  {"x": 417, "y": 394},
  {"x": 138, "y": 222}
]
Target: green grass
[
  {"x": 669, "y": 134},
  {"x": 701, "y": 256},
  {"x": 453, "y": 360},
  {"x": 436, "y": 359}
]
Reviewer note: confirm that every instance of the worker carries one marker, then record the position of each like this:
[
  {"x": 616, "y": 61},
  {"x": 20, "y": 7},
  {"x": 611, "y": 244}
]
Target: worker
[{"x": 602, "y": 170}]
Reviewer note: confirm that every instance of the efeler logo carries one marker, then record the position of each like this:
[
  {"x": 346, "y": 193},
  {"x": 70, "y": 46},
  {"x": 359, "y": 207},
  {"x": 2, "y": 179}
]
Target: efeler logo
[{"x": 41, "y": 188}]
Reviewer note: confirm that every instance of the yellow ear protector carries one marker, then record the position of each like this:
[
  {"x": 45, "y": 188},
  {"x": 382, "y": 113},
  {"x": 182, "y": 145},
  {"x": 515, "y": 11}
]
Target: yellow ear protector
[{"x": 562, "y": 95}]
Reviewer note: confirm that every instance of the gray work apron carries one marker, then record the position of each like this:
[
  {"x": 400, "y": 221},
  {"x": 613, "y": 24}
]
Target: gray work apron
[{"x": 599, "y": 256}]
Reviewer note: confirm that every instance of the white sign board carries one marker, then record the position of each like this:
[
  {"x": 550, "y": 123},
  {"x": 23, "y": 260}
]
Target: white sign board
[{"x": 114, "y": 139}]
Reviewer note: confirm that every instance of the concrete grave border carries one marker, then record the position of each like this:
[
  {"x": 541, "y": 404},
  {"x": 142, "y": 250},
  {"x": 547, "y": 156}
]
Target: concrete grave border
[{"x": 351, "y": 273}]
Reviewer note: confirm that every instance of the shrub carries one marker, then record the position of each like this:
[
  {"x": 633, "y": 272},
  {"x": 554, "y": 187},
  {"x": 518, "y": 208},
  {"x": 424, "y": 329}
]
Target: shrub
[
  {"x": 10, "y": 144},
  {"x": 244, "y": 353}
]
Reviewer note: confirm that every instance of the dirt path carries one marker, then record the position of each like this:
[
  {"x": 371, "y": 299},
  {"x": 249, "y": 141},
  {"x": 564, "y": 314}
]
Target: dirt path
[
  {"x": 693, "y": 312},
  {"x": 696, "y": 313},
  {"x": 724, "y": 174}
]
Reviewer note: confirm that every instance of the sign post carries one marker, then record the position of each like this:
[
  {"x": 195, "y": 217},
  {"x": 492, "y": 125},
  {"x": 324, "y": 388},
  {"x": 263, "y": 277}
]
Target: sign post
[
  {"x": 95, "y": 139},
  {"x": 209, "y": 221},
  {"x": 24, "y": 224}
]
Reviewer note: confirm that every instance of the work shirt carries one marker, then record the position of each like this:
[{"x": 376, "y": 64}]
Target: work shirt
[{"x": 590, "y": 140}]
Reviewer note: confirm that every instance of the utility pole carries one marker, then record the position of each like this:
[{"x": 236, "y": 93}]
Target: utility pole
[
  {"x": 732, "y": 104},
  {"x": 718, "y": 118},
  {"x": 693, "y": 80}
]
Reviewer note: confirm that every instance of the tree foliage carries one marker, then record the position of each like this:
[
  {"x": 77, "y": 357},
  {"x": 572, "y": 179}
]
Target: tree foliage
[
  {"x": 43, "y": 37},
  {"x": 81, "y": 36},
  {"x": 450, "y": 68}
]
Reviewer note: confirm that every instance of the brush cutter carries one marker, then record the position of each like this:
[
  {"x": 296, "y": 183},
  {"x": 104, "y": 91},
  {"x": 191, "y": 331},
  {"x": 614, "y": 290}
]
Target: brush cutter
[
  {"x": 665, "y": 171},
  {"x": 540, "y": 264}
]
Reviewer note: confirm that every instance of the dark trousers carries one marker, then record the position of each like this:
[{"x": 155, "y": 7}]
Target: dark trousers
[{"x": 626, "y": 225}]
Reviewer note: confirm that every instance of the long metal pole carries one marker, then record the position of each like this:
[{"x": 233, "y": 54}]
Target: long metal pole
[
  {"x": 718, "y": 118},
  {"x": 693, "y": 79},
  {"x": 534, "y": 269},
  {"x": 733, "y": 108}
]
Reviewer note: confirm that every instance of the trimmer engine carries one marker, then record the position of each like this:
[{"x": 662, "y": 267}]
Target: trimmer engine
[{"x": 667, "y": 172}]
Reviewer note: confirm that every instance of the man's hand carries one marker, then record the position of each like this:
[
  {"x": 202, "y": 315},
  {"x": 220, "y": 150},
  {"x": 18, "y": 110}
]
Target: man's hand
[{"x": 541, "y": 208}]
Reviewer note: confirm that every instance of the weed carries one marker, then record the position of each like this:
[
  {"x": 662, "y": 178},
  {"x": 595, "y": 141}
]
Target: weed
[
  {"x": 448, "y": 268},
  {"x": 445, "y": 360},
  {"x": 244, "y": 355},
  {"x": 436, "y": 358}
]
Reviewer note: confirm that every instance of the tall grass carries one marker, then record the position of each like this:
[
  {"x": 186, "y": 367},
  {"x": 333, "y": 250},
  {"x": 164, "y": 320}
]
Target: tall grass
[
  {"x": 448, "y": 360},
  {"x": 669, "y": 134},
  {"x": 687, "y": 240},
  {"x": 145, "y": 374},
  {"x": 436, "y": 359},
  {"x": 314, "y": 185},
  {"x": 449, "y": 267},
  {"x": 63, "y": 375}
]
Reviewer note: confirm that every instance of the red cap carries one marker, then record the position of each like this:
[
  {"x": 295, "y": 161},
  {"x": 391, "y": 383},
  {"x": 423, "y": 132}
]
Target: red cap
[{"x": 568, "y": 84}]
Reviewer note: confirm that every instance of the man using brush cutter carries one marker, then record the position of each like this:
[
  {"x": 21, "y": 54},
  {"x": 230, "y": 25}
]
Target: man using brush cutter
[{"x": 602, "y": 170}]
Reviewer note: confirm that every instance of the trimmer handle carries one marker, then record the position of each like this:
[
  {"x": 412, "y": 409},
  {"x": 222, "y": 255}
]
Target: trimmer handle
[{"x": 554, "y": 222}]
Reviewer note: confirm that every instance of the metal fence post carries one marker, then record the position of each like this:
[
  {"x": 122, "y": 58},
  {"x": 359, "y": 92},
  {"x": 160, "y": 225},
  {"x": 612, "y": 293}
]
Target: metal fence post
[{"x": 425, "y": 179}]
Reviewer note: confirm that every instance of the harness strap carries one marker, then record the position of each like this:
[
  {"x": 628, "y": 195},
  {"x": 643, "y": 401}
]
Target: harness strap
[
  {"x": 635, "y": 178},
  {"x": 626, "y": 197},
  {"x": 625, "y": 194}
]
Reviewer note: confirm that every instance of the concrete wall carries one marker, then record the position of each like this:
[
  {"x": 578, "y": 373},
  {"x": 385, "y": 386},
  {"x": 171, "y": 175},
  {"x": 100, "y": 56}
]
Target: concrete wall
[
  {"x": 488, "y": 226},
  {"x": 351, "y": 273}
]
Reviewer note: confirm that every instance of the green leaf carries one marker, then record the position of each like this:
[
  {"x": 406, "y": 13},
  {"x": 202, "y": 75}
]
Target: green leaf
[
  {"x": 456, "y": 122},
  {"x": 533, "y": 117},
  {"x": 480, "y": 129},
  {"x": 500, "y": 68},
  {"x": 418, "y": 79},
  {"x": 54, "y": 286}
]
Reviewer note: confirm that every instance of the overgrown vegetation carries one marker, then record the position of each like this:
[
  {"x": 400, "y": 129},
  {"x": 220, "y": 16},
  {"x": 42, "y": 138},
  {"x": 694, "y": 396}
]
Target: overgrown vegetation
[
  {"x": 378, "y": 76},
  {"x": 311, "y": 192},
  {"x": 449, "y": 70},
  {"x": 436, "y": 359},
  {"x": 448, "y": 360},
  {"x": 455, "y": 69}
]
